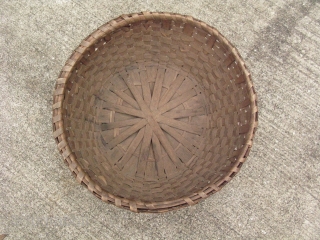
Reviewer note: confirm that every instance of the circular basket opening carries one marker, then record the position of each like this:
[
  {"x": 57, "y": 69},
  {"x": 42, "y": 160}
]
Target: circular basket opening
[{"x": 154, "y": 111}]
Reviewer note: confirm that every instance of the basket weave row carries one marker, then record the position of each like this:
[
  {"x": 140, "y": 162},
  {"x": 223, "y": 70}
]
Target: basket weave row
[{"x": 154, "y": 112}]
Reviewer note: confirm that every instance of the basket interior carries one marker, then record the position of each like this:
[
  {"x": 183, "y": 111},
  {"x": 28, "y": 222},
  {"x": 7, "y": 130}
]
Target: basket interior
[{"x": 158, "y": 110}]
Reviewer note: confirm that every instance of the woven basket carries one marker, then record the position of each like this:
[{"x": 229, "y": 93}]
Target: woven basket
[{"x": 154, "y": 112}]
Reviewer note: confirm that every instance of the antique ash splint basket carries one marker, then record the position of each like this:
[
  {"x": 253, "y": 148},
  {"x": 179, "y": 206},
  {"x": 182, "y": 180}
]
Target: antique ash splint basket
[{"x": 154, "y": 112}]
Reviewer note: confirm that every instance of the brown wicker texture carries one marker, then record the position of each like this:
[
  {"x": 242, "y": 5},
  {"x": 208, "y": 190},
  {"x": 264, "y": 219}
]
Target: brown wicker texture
[{"x": 154, "y": 111}]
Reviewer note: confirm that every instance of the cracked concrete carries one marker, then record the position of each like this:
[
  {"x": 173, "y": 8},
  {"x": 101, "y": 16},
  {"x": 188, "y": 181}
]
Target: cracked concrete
[{"x": 275, "y": 195}]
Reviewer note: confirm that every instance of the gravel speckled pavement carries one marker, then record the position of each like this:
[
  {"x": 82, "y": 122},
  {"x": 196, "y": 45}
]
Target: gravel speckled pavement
[{"x": 276, "y": 195}]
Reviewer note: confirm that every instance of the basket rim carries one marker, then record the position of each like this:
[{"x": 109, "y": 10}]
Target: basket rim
[{"x": 70, "y": 158}]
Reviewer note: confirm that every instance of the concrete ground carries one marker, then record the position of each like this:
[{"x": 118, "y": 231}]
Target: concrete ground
[{"x": 276, "y": 195}]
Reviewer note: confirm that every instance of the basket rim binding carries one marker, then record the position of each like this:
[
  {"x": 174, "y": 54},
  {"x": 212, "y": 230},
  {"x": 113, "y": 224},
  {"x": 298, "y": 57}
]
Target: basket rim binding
[{"x": 70, "y": 158}]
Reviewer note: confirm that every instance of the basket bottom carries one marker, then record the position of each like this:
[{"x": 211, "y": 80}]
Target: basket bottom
[{"x": 151, "y": 135}]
